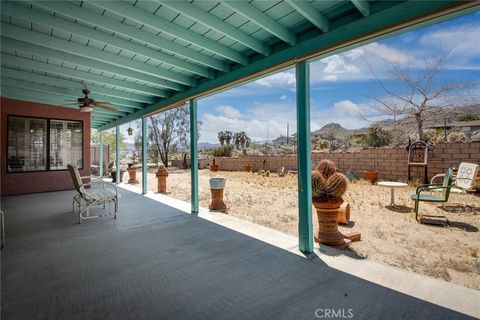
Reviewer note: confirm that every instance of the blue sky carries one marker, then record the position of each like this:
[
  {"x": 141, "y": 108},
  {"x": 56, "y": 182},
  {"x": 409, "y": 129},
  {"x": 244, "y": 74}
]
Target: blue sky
[{"x": 340, "y": 84}]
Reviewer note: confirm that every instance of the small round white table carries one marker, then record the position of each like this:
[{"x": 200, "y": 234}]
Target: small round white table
[{"x": 392, "y": 185}]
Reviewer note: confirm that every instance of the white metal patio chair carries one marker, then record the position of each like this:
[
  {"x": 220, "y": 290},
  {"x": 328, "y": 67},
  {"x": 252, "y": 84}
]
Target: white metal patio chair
[
  {"x": 464, "y": 179},
  {"x": 87, "y": 198}
]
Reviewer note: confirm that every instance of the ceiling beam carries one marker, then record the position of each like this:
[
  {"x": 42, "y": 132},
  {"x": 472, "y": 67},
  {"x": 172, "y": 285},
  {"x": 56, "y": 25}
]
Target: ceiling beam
[
  {"x": 217, "y": 24},
  {"x": 363, "y": 6},
  {"x": 261, "y": 19},
  {"x": 128, "y": 106},
  {"x": 35, "y": 16},
  {"x": 126, "y": 30},
  {"x": 310, "y": 13},
  {"x": 98, "y": 59},
  {"x": 91, "y": 17},
  {"x": 174, "y": 30},
  {"x": 80, "y": 75},
  {"x": 64, "y": 83}
]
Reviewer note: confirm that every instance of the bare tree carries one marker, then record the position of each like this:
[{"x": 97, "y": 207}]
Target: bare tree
[
  {"x": 417, "y": 92},
  {"x": 169, "y": 130}
]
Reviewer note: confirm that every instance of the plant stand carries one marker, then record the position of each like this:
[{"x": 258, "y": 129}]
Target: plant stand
[
  {"x": 327, "y": 214},
  {"x": 217, "y": 185},
  {"x": 132, "y": 173},
  {"x": 162, "y": 175}
]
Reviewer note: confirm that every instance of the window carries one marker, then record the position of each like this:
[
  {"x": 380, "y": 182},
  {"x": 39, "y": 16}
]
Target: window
[
  {"x": 65, "y": 144},
  {"x": 31, "y": 140},
  {"x": 27, "y": 148}
]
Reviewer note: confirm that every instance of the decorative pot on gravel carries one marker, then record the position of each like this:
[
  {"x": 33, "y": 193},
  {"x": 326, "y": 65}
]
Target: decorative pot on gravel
[
  {"x": 328, "y": 187},
  {"x": 213, "y": 166},
  {"x": 162, "y": 175},
  {"x": 132, "y": 174},
  {"x": 371, "y": 175},
  {"x": 248, "y": 168},
  {"x": 217, "y": 185},
  {"x": 344, "y": 213}
]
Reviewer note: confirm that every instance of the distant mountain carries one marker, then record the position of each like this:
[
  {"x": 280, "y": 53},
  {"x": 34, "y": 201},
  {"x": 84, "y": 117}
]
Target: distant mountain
[
  {"x": 207, "y": 145},
  {"x": 332, "y": 128},
  {"x": 433, "y": 118},
  {"x": 407, "y": 124}
]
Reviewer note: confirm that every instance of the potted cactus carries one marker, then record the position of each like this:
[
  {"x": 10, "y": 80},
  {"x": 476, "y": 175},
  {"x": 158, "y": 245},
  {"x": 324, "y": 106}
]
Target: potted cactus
[
  {"x": 328, "y": 187},
  {"x": 214, "y": 166}
]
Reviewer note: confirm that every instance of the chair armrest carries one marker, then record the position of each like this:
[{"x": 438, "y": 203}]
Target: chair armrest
[
  {"x": 441, "y": 175},
  {"x": 432, "y": 187},
  {"x": 104, "y": 184},
  {"x": 428, "y": 186}
]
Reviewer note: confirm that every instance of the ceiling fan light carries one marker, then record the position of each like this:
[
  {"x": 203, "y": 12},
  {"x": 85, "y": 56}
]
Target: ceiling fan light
[{"x": 86, "y": 109}]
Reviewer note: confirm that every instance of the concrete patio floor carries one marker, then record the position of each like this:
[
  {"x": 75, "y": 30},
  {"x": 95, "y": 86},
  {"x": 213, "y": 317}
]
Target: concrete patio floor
[{"x": 158, "y": 262}]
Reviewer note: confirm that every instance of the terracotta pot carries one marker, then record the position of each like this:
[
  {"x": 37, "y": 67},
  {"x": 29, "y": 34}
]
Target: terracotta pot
[
  {"x": 132, "y": 174},
  {"x": 344, "y": 213},
  {"x": 327, "y": 214},
  {"x": 371, "y": 175},
  {"x": 162, "y": 175},
  {"x": 216, "y": 188},
  {"x": 248, "y": 168},
  {"x": 213, "y": 166}
]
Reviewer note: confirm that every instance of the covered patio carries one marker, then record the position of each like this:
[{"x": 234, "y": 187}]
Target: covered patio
[
  {"x": 163, "y": 259},
  {"x": 159, "y": 262}
]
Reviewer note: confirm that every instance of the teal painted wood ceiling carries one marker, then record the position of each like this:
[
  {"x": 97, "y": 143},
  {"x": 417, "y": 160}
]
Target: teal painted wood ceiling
[{"x": 144, "y": 56}]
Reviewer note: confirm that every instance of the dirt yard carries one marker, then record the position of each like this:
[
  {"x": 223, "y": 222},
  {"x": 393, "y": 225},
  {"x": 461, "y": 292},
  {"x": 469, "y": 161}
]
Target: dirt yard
[{"x": 389, "y": 235}]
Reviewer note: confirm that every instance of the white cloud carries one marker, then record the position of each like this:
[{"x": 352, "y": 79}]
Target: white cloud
[
  {"x": 462, "y": 40},
  {"x": 281, "y": 79},
  {"x": 387, "y": 53},
  {"x": 346, "y": 108},
  {"x": 283, "y": 97},
  {"x": 351, "y": 65},
  {"x": 337, "y": 64},
  {"x": 228, "y": 111}
]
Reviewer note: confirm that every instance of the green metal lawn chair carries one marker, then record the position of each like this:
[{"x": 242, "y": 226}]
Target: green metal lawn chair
[{"x": 420, "y": 196}]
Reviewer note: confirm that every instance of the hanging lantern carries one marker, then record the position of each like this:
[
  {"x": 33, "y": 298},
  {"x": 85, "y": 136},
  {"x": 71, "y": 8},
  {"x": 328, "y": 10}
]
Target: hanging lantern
[{"x": 130, "y": 131}]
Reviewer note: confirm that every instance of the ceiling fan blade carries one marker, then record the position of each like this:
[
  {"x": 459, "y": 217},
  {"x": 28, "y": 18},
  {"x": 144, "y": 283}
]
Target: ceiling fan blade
[
  {"x": 105, "y": 107},
  {"x": 102, "y": 102},
  {"x": 72, "y": 103}
]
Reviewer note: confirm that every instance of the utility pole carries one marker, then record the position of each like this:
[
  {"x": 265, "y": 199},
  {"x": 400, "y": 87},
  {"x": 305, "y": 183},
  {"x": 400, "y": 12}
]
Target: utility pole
[{"x": 287, "y": 134}]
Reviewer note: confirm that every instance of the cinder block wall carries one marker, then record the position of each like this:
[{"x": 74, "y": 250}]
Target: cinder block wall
[{"x": 390, "y": 162}]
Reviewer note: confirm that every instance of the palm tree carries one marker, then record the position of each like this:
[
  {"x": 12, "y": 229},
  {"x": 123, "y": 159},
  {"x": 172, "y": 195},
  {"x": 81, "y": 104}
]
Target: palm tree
[
  {"x": 228, "y": 137},
  {"x": 241, "y": 140},
  {"x": 221, "y": 137}
]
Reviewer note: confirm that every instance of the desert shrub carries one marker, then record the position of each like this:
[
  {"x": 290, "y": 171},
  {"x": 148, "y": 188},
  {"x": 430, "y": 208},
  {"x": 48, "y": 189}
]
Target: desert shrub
[
  {"x": 321, "y": 144},
  {"x": 475, "y": 136},
  {"x": 434, "y": 135},
  {"x": 340, "y": 143},
  {"x": 378, "y": 137},
  {"x": 468, "y": 117},
  {"x": 223, "y": 151},
  {"x": 456, "y": 136}
]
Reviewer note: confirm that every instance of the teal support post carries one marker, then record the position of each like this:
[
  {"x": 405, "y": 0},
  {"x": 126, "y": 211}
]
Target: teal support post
[
  {"x": 305, "y": 228},
  {"x": 144, "y": 156},
  {"x": 117, "y": 154},
  {"x": 100, "y": 164},
  {"x": 194, "y": 154}
]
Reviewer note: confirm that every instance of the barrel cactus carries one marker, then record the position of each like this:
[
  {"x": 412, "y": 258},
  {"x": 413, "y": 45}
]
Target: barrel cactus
[
  {"x": 327, "y": 183},
  {"x": 336, "y": 186},
  {"x": 326, "y": 168},
  {"x": 319, "y": 185}
]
